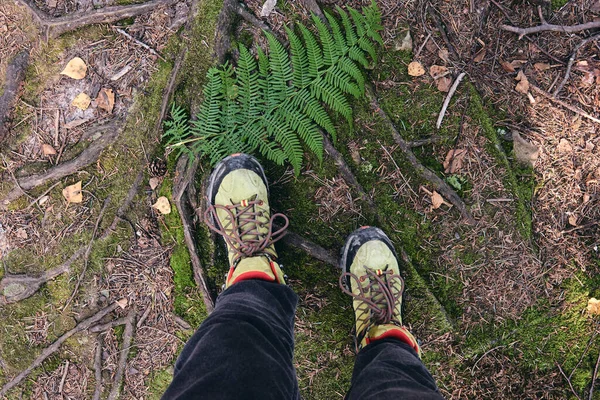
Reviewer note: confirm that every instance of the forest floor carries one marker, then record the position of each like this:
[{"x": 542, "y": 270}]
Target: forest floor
[{"x": 99, "y": 291}]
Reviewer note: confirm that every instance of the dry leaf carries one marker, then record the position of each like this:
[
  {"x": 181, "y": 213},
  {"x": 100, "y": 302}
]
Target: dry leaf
[
  {"x": 564, "y": 146},
  {"x": 586, "y": 198},
  {"x": 525, "y": 152},
  {"x": 75, "y": 69},
  {"x": 75, "y": 123},
  {"x": 406, "y": 44},
  {"x": 438, "y": 71},
  {"x": 73, "y": 193},
  {"x": 122, "y": 303},
  {"x": 444, "y": 55},
  {"x": 106, "y": 99},
  {"x": 444, "y": 84},
  {"x": 593, "y": 306},
  {"x": 48, "y": 150},
  {"x": 523, "y": 85},
  {"x": 454, "y": 160},
  {"x": 507, "y": 66},
  {"x": 162, "y": 205},
  {"x": 82, "y": 101},
  {"x": 268, "y": 7},
  {"x": 154, "y": 182},
  {"x": 573, "y": 220},
  {"x": 436, "y": 200},
  {"x": 21, "y": 233},
  {"x": 541, "y": 66},
  {"x": 415, "y": 69},
  {"x": 43, "y": 200},
  {"x": 518, "y": 63},
  {"x": 480, "y": 55}
]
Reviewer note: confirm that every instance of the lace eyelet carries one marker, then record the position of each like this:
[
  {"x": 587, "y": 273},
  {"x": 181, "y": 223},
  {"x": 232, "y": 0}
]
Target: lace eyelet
[{"x": 260, "y": 202}]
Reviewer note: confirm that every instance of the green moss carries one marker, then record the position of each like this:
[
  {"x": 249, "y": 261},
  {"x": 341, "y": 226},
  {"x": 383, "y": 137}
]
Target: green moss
[
  {"x": 556, "y": 4},
  {"x": 159, "y": 382}
]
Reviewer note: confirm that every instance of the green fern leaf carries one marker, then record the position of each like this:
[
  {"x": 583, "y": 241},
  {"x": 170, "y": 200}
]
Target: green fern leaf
[
  {"x": 313, "y": 51},
  {"x": 338, "y": 35},
  {"x": 348, "y": 28},
  {"x": 299, "y": 60},
  {"x": 330, "y": 53}
]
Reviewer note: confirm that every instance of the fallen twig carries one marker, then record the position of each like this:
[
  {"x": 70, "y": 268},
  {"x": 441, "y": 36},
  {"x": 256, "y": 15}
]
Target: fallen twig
[
  {"x": 451, "y": 92},
  {"x": 594, "y": 377},
  {"x": 550, "y": 27},
  {"x": 86, "y": 255},
  {"x": 98, "y": 369},
  {"x": 139, "y": 42},
  {"x": 184, "y": 175},
  {"x": 571, "y": 61},
  {"x": 53, "y": 27},
  {"x": 438, "y": 184},
  {"x": 127, "y": 338},
  {"x": 108, "y": 325},
  {"x": 424, "y": 142},
  {"x": 568, "y": 381},
  {"x": 48, "y": 351},
  {"x": 64, "y": 377},
  {"x": 15, "y": 73},
  {"x": 576, "y": 110},
  {"x": 85, "y": 158}
]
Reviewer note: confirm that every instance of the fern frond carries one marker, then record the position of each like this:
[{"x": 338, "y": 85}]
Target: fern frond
[
  {"x": 281, "y": 70},
  {"x": 313, "y": 51},
  {"x": 333, "y": 97},
  {"x": 338, "y": 35},
  {"x": 299, "y": 60},
  {"x": 330, "y": 53},
  {"x": 348, "y": 28}
]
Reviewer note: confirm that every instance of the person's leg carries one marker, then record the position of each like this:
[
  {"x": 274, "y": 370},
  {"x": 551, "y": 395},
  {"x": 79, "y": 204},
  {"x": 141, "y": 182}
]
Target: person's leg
[
  {"x": 388, "y": 364},
  {"x": 244, "y": 349}
]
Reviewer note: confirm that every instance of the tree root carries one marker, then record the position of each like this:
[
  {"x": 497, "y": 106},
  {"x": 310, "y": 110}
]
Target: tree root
[
  {"x": 522, "y": 32},
  {"x": 85, "y": 158},
  {"x": 53, "y": 27},
  {"x": 48, "y": 351},
  {"x": 98, "y": 368},
  {"x": 127, "y": 339},
  {"x": 15, "y": 73},
  {"x": 439, "y": 185},
  {"x": 184, "y": 176},
  {"x": 312, "y": 249}
]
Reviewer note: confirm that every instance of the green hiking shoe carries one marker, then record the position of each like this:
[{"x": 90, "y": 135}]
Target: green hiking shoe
[
  {"x": 239, "y": 211},
  {"x": 370, "y": 274}
]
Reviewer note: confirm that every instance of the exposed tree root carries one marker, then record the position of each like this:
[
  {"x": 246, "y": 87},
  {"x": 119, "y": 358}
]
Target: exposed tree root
[
  {"x": 98, "y": 368},
  {"x": 53, "y": 27},
  {"x": 48, "y": 351},
  {"x": 15, "y": 73},
  {"x": 184, "y": 176},
  {"x": 522, "y": 32},
  {"x": 85, "y": 158},
  {"x": 438, "y": 184},
  {"x": 314, "y": 250},
  {"x": 127, "y": 339}
]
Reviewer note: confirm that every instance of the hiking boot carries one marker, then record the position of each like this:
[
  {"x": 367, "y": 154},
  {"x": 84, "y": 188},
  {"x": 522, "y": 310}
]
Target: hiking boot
[
  {"x": 370, "y": 274},
  {"x": 239, "y": 211}
]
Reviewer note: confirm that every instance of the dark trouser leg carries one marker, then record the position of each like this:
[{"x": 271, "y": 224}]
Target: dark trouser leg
[
  {"x": 244, "y": 349},
  {"x": 391, "y": 369}
]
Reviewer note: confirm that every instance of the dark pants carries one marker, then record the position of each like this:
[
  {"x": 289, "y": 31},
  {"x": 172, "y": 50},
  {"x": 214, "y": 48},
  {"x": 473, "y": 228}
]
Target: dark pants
[{"x": 245, "y": 350}]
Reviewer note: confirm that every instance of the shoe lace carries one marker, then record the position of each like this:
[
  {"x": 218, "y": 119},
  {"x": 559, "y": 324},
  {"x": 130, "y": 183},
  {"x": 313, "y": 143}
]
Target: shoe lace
[
  {"x": 378, "y": 298},
  {"x": 242, "y": 226}
]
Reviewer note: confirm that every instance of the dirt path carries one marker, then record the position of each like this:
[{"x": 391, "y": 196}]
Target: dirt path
[{"x": 499, "y": 305}]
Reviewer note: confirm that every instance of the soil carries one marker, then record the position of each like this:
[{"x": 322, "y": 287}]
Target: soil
[{"x": 500, "y": 307}]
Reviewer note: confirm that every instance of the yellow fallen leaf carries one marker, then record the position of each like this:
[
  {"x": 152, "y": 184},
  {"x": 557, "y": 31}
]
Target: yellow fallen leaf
[
  {"x": 593, "y": 306},
  {"x": 436, "y": 200},
  {"x": 454, "y": 160},
  {"x": 21, "y": 233},
  {"x": 573, "y": 220},
  {"x": 73, "y": 193},
  {"x": 48, "y": 150},
  {"x": 415, "y": 68},
  {"x": 523, "y": 85},
  {"x": 444, "y": 83},
  {"x": 506, "y": 66},
  {"x": 75, "y": 69},
  {"x": 438, "y": 71},
  {"x": 122, "y": 303},
  {"x": 162, "y": 205},
  {"x": 106, "y": 99},
  {"x": 480, "y": 55},
  {"x": 154, "y": 182},
  {"x": 564, "y": 146},
  {"x": 81, "y": 101}
]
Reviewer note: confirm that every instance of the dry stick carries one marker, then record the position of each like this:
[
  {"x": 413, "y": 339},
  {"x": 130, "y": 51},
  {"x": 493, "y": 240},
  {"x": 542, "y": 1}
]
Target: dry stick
[
  {"x": 568, "y": 380},
  {"x": 15, "y": 73},
  {"x": 88, "y": 250},
  {"x": 451, "y": 92},
  {"x": 62, "y": 381},
  {"x": 108, "y": 325},
  {"x": 54, "y": 27},
  {"x": 346, "y": 172},
  {"x": 98, "y": 369},
  {"x": 184, "y": 176},
  {"x": 139, "y": 42},
  {"x": 438, "y": 184},
  {"x": 424, "y": 142},
  {"x": 85, "y": 158},
  {"x": 591, "y": 396},
  {"x": 48, "y": 351},
  {"x": 571, "y": 61},
  {"x": 551, "y": 27},
  {"x": 576, "y": 110},
  {"x": 127, "y": 338}
]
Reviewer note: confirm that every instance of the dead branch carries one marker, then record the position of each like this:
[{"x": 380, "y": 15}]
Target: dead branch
[
  {"x": 125, "y": 205},
  {"x": 181, "y": 322},
  {"x": 571, "y": 61},
  {"x": 53, "y": 27},
  {"x": 127, "y": 338},
  {"x": 15, "y": 73},
  {"x": 48, "y": 351},
  {"x": 522, "y": 32},
  {"x": 139, "y": 42},
  {"x": 424, "y": 142},
  {"x": 568, "y": 380},
  {"x": 223, "y": 29},
  {"x": 242, "y": 11},
  {"x": 312, "y": 249},
  {"x": 313, "y": 7},
  {"x": 594, "y": 377},
  {"x": 109, "y": 325},
  {"x": 85, "y": 158},
  {"x": 346, "y": 172},
  {"x": 98, "y": 369},
  {"x": 438, "y": 184},
  {"x": 184, "y": 175},
  {"x": 451, "y": 92},
  {"x": 568, "y": 106}
]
